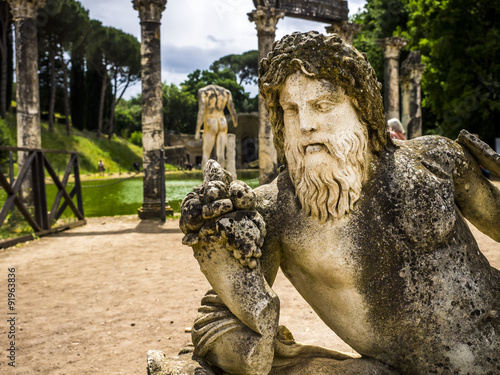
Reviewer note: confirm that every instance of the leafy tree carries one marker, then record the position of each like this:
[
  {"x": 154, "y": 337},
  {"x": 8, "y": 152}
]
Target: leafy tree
[
  {"x": 225, "y": 78},
  {"x": 180, "y": 108},
  {"x": 459, "y": 44},
  {"x": 116, "y": 57},
  {"x": 65, "y": 31},
  {"x": 5, "y": 140},
  {"x": 79, "y": 91},
  {"x": 245, "y": 66},
  {"x": 128, "y": 116},
  {"x": 380, "y": 19}
]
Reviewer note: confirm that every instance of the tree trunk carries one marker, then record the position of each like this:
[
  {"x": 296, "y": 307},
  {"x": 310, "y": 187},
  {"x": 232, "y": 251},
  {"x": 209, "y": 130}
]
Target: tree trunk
[
  {"x": 101, "y": 104},
  {"x": 4, "y": 7},
  {"x": 78, "y": 90},
  {"x": 113, "y": 106},
  {"x": 66, "y": 94},
  {"x": 53, "y": 87},
  {"x": 3, "y": 80},
  {"x": 112, "y": 112}
]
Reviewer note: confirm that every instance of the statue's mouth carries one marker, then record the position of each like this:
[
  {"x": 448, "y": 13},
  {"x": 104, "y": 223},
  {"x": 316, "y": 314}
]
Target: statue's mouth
[{"x": 315, "y": 147}]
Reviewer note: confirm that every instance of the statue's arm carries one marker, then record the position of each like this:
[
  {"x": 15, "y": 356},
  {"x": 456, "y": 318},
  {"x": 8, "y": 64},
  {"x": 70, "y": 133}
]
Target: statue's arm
[
  {"x": 201, "y": 113},
  {"x": 477, "y": 198},
  {"x": 237, "y": 322},
  {"x": 232, "y": 110}
]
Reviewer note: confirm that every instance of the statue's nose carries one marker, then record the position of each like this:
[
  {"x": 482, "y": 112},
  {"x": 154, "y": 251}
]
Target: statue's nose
[{"x": 307, "y": 122}]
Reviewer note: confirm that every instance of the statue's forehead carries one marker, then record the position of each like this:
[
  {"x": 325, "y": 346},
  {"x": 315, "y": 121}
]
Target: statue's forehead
[{"x": 298, "y": 85}]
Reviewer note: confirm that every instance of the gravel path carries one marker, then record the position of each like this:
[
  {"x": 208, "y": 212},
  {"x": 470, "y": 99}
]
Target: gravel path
[{"x": 95, "y": 299}]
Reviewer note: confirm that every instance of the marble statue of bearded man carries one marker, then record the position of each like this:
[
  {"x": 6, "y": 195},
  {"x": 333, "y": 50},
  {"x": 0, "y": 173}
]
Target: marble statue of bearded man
[{"x": 370, "y": 231}]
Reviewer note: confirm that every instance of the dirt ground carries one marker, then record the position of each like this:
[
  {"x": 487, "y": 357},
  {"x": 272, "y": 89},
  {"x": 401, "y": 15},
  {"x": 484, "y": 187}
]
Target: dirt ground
[{"x": 95, "y": 299}]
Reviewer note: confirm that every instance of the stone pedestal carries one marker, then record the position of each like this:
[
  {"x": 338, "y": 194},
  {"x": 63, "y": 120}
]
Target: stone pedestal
[
  {"x": 392, "y": 49},
  {"x": 411, "y": 101},
  {"x": 153, "y": 211},
  {"x": 231, "y": 155},
  {"x": 152, "y": 115},
  {"x": 182, "y": 364},
  {"x": 266, "y": 20},
  {"x": 345, "y": 29}
]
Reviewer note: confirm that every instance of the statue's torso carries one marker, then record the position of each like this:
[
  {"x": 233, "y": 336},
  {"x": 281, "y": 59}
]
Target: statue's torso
[{"x": 401, "y": 277}]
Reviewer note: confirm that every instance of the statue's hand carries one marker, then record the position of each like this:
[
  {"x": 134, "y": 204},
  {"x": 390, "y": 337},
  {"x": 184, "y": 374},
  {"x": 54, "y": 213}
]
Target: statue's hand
[
  {"x": 197, "y": 136},
  {"x": 243, "y": 234},
  {"x": 223, "y": 211}
]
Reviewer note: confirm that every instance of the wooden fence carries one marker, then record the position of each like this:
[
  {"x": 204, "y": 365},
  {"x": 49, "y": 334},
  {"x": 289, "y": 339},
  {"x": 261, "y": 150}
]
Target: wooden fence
[{"x": 32, "y": 174}]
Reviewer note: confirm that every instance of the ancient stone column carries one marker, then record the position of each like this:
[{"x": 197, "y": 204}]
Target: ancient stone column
[
  {"x": 152, "y": 116},
  {"x": 345, "y": 29},
  {"x": 411, "y": 78},
  {"x": 24, "y": 13},
  {"x": 231, "y": 155},
  {"x": 266, "y": 19},
  {"x": 392, "y": 49}
]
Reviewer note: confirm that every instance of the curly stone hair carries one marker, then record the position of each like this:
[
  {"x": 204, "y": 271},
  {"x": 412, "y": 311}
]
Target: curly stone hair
[{"x": 329, "y": 58}]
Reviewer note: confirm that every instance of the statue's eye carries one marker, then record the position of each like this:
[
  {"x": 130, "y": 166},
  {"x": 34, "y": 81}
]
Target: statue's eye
[
  {"x": 324, "y": 105},
  {"x": 289, "y": 110}
]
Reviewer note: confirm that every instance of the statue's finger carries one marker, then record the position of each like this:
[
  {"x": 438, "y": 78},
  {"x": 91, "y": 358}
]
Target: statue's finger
[{"x": 217, "y": 208}]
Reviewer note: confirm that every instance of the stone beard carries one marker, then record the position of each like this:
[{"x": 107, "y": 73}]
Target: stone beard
[{"x": 328, "y": 181}]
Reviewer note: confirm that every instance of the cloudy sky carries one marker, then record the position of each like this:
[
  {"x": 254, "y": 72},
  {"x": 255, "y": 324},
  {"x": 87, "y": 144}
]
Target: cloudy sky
[{"x": 197, "y": 32}]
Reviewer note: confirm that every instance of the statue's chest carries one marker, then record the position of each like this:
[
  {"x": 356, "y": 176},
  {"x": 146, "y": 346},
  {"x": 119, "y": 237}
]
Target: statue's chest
[{"x": 322, "y": 252}]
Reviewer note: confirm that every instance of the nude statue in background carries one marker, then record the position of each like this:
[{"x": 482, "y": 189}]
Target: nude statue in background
[{"x": 212, "y": 100}]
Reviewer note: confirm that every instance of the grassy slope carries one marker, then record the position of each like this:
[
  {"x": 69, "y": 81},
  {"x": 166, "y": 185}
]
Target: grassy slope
[{"x": 117, "y": 154}]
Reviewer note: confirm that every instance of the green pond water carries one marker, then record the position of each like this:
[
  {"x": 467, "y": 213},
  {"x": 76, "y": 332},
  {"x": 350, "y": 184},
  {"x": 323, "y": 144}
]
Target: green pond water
[{"x": 124, "y": 196}]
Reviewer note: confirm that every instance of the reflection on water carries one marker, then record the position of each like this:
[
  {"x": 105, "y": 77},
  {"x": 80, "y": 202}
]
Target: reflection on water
[
  {"x": 124, "y": 196},
  {"x": 112, "y": 197},
  {"x": 100, "y": 198}
]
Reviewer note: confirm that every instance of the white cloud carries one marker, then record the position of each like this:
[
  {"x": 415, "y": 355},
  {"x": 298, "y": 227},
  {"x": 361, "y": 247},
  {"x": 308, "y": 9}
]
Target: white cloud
[{"x": 194, "y": 33}]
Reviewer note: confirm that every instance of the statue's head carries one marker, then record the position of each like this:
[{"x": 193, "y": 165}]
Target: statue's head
[
  {"x": 326, "y": 58},
  {"x": 327, "y": 117}
]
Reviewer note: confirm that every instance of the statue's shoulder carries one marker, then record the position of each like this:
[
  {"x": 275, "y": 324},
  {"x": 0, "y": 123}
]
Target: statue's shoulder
[
  {"x": 274, "y": 199},
  {"x": 432, "y": 145},
  {"x": 433, "y": 151}
]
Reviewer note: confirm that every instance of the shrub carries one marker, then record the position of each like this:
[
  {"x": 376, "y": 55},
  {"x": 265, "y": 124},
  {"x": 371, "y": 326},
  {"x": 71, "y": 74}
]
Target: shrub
[{"x": 136, "y": 138}]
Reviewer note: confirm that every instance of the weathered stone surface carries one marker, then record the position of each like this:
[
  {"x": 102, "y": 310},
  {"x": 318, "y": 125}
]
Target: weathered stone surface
[
  {"x": 152, "y": 113},
  {"x": 318, "y": 10},
  {"x": 183, "y": 364},
  {"x": 484, "y": 154},
  {"x": 150, "y": 10},
  {"x": 345, "y": 29},
  {"x": 411, "y": 77},
  {"x": 212, "y": 100},
  {"x": 392, "y": 49},
  {"x": 24, "y": 13},
  {"x": 370, "y": 231},
  {"x": 242, "y": 196},
  {"x": 25, "y": 8},
  {"x": 231, "y": 155},
  {"x": 266, "y": 19}
]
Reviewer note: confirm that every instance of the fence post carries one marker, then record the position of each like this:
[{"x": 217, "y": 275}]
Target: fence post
[
  {"x": 78, "y": 185},
  {"x": 39, "y": 193},
  {"x": 163, "y": 213},
  {"x": 11, "y": 168}
]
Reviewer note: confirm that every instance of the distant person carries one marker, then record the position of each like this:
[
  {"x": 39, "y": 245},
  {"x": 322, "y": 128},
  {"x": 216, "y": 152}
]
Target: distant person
[
  {"x": 396, "y": 129},
  {"x": 100, "y": 167},
  {"x": 136, "y": 167}
]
